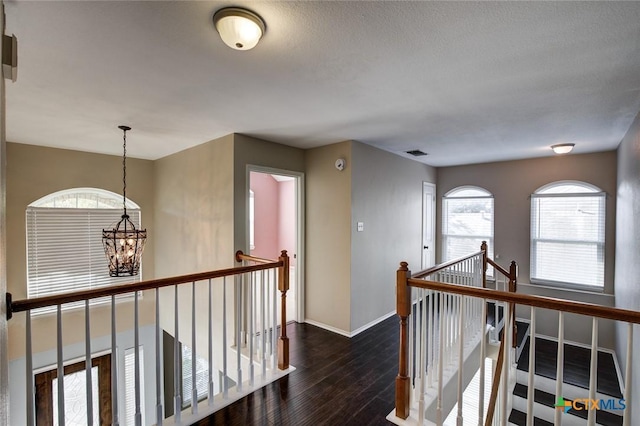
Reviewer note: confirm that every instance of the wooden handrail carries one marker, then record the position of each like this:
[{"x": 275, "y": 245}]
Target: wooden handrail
[
  {"x": 491, "y": 408},
  {"x": 240, "y": 256},
  {"x": 445, "y": 265},
  {"x": 498, "y": 267},
  {"x": 41, "y": 302},
  {"x": 582, "y": 308}
]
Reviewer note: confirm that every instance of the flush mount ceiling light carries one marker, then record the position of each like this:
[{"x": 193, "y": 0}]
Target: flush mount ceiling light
[
  {"x": 240, "y": 29},
  {"x": 562, "y": 148},
  {"x": 124, "y": 244}
]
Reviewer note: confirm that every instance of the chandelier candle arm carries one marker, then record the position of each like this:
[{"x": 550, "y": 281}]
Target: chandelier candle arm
[{"x": 124, "y": 244}]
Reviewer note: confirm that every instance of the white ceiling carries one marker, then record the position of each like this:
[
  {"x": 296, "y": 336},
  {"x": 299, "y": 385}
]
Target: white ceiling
[{"x": 466, "y": 82}]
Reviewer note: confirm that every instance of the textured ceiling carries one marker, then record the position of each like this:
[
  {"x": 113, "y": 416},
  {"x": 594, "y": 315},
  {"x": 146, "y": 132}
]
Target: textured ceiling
[{"x": 466, "y": 82}]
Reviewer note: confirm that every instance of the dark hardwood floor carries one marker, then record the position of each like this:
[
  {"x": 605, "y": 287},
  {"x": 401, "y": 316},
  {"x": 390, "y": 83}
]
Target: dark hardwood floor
[{"x": 337, "y": 381}]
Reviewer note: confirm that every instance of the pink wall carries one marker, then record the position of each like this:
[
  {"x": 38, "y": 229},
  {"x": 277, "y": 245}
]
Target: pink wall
[
  {"x": 287, "y": 218},
  {"x": 266, "y": 194},
  {"x": 275, "y": 216}
]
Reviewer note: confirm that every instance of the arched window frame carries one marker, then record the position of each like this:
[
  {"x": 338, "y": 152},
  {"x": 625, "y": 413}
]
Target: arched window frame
[
  {"x": 64, "y": 242},
  {"x": 452, "y": 250},
  {"x": 568, "y": 235}
]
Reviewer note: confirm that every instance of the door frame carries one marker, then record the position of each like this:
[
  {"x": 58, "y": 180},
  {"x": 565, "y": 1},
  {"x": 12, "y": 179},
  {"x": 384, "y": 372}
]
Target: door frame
[
  {"x": 300, "y": 215},
  {"x": 424, "y": 224}
]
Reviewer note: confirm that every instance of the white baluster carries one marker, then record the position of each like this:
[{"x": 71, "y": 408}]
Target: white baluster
[
  {"x": 211, "y": 393},
  {"x": 431, "y": 337},
  {"x": 440, "y": 359},
  {"x": 532, "y": 367},
  {"x": 412, "y": 371},
  {"x": 87, "y": 362},
  {"x": 593, "y": 371},
  {"x": 274, "y": 329},
  {"x": 29, "y": 370},
  {"x": 136, "y": 359},
  {"x": 423, "y": 352},
  {"x": 250, "y": 295},
  {"x": 628, "y": 378},
  {"x": 194, "y": 357},
  {"x": 177, "y": 399},
  {"x": 159, "y": 410},
  {"x": 60, "y": 367},
  {"x": 263, "y": 330},
  {"x": 506, "y": 366},
  {"x": 114, "y": 366},
  {"x": 461, "y": 359},
  {"x": 483, "y": 351},
  {"x": 559, "y": 367},
  {"x": 225, "y": 382},
  {"x": 238, "y": 285}
]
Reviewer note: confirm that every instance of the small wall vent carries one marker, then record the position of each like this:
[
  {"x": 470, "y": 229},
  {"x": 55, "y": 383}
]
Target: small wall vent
[{"x": 416, "y": 153}]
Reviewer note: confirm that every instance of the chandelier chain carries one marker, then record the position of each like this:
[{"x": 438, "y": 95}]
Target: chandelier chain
[{"x": 124, "y": 172}]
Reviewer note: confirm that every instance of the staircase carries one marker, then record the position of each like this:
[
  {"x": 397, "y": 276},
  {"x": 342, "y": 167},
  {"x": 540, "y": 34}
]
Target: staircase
[{"x": 575, "y": 384}]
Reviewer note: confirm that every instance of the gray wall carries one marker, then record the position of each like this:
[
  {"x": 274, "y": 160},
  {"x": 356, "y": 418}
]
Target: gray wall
[
  {"x": 627, "y": 277},
  {"x": 386, "y": 194},
  {"x": 511, "y": 183}
]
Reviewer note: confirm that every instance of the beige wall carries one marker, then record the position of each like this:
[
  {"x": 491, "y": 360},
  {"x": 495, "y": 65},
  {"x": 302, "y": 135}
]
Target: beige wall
[
  {"x": 386, "y": 195},
  {"x": 511, "y": 183},
  {"x": 33, "y": 172},
  {"x": 627, "y": 277},
  {"x": 194, "y": 210},
  {"x": 328, "y": 237}
]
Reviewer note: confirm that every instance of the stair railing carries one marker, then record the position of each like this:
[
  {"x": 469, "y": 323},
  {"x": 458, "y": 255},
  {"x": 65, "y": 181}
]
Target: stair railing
[
  {"x": 435, "y": 331},
  {"x": 440, "y": 290},
  {"x": 264, "y": 277}
]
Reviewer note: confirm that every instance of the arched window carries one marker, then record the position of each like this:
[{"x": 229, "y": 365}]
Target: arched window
[
  {"x": 64, "y": 240},
  {"x": 567, "y": 235},
  {"x": 467, "y": 220}
]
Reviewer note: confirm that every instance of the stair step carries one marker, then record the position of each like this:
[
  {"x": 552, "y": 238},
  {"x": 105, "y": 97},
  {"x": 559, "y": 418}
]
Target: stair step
[
  {"x": 576, "y": 365},
  {"x": 544, "y": 398},
  {"x": 519, "y": 418}
]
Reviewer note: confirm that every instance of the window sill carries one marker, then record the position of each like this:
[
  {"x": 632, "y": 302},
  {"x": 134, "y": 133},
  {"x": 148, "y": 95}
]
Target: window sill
[{"x": 556, "y": 285}]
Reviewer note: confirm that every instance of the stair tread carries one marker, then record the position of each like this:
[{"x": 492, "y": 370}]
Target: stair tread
[
  {"x": 545, "y": 398},
  {"x": 519, "y": 418},
  {"x": 576, "y": 365}
]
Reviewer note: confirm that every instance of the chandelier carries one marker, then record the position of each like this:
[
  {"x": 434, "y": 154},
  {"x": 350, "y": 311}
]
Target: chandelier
[{"x": 124, "y": 244}]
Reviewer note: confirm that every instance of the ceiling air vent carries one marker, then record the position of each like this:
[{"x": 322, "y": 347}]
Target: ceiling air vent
[{"x": 416, "y": 153}]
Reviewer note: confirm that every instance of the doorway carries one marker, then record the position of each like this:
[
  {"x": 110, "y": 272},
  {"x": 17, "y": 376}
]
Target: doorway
[
  {"x": 275, "y": 223},
  {"x": 428, "y": 225}
]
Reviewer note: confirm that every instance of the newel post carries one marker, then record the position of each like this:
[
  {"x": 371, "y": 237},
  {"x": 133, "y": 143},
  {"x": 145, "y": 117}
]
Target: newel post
[
  {"x": 403, "y": 308},
  {"x": 283, "y": 286},
  {"x": 484, "y": 249}
]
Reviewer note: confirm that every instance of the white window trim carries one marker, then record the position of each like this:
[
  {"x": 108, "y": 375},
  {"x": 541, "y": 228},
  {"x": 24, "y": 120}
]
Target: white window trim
[
  {"x": 592, "y": 191},
  {"x": 31, "y": 214},
  {"x": 450, "y": 195}
]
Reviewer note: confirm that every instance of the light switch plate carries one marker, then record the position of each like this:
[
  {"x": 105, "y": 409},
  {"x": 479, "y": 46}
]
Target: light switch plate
[{"x": 360, "y": 226}]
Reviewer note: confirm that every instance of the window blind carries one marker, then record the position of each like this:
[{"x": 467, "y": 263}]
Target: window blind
[
  {"x": 466, "y": 222},
  {"x": 202, "y": 375},
  {"x": 65, "y": 252},
  {"x": 567, "y": 238}
]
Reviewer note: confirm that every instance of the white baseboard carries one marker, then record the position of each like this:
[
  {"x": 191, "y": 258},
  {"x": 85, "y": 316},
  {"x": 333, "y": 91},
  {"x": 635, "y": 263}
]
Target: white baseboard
[
  {"x": 372, "y": 323},
  {"x": 354, "y": 332}
]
